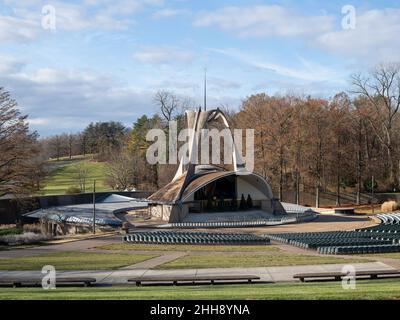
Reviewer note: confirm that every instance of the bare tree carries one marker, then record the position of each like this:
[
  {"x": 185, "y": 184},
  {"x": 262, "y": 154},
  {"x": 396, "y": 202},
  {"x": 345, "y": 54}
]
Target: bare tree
[
  {"x": 18, "y": 146},
  {"x": 71, "y": 140},
  {"x": 81, "y": 172},
  {"x": 169, "y": 104},
  {"x": 270, "y": 117},
  {"x": 122, "y": 173},
  {"x": 381, "y": 88},
  {"x": 339, "y": 109}
]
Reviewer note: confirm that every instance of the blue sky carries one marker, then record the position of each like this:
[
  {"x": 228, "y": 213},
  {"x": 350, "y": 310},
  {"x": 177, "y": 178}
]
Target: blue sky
[{"x": 106, "y": 59}]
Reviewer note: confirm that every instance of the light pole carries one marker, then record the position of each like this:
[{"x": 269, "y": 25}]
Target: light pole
[
  {"x": 372, "y": 193},
  {"x": 94, "y": 206}
]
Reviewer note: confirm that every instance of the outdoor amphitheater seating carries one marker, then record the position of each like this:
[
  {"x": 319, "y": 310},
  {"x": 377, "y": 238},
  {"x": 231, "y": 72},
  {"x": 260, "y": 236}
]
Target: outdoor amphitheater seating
[
  {"x": 219, "y": 224},
  {"x": 377, "y": 239},
  {"x": 379, "y": 248},
  {"x": 389, "y": 218},
  {"x": 174, "y": 237}
]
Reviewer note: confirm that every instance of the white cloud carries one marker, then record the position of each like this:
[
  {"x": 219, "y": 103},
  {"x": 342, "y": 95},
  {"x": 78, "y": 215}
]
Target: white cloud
[
  {"x": 25, "y": 21},
  {"x": 66, "y": 100},
  {"x": 162, "y": 55},
  {"x": 17, "y": 29},
  {"x": 10, "y": 64},
  {"x": 39, "y": 121},
  {"x": 222, "y": 85},
  {"x": 375, "y": 36},
  {"x": 265, "y": 20},
  {"x": 307, "y": 71},
  {"x": 167, "y": 13}
]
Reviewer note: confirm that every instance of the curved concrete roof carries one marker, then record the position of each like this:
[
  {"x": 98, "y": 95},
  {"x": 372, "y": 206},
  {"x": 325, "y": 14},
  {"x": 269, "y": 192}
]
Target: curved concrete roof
[{"x": 169, "y": 194}]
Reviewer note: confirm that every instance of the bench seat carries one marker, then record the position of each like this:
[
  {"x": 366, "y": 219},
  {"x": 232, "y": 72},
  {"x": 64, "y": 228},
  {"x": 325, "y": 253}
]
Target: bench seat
[
  {"x": 337, "y": 276},
  {"x": 193, "y": 279},
  {"x": 37, "y": 282}
]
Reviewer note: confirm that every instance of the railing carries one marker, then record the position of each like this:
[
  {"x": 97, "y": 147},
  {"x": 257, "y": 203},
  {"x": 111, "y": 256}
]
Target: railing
[{"x": 219, "y": 205}]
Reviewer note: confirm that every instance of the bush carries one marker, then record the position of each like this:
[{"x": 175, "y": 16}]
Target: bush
[
  {"x": 10, "y": 231},
  {"x": 25, "y": 238},
  {"x": 73, "y": 190},
  {"x": 389, "y": 206}
]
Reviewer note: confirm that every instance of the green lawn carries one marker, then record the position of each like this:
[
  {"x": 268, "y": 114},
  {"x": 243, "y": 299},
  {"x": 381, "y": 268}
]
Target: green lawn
[
  {"x": 65, "y": 175},
  {"x": 184, "y": 247},
  {"x": 74, "y": 261},
  {"x": 393, "y": 255},
  {"x": 232, "y": 260},
  {"x": 365, "y": 289}
]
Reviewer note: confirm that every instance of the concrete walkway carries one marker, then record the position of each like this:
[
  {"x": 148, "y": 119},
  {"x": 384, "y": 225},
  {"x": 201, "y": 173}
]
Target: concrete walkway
[{"x": 266, "y": 274}]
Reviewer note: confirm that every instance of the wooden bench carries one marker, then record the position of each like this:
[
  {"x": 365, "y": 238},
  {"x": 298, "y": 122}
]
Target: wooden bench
[
  {"x": 192, "y": 279},
  {"x": 337, "y": 276},
  {"x": 37, "y": 282}
]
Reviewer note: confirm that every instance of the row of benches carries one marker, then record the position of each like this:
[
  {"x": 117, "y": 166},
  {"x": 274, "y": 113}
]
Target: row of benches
[
  {"x": 338, "y": 276},
  {"x": 380, "y": 248},
  {"x": 317, "y": 243},
  {"x": 219, "y": 224},
  {"x": 343, "y": 242},
  {"x": 37, "y": 282},
  {"x": 172, "y": 237},
  {"x": 174, "y": 280},
  {"x": 389, "y": 218},
  {"x": 287, "y": 237},
  {"x": 382, "y": 228},
  {"x": 198, "y": 279}
]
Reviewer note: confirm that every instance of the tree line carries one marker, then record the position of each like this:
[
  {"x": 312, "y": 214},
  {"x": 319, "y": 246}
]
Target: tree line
[{"x": 302, "y": 143}]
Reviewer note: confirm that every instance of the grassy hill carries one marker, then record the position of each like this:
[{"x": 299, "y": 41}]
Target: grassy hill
[{"x": 64, "y": 174}]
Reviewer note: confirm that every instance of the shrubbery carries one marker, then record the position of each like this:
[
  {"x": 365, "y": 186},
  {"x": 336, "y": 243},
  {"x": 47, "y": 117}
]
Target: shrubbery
[
  {"x": 25, "y": 238},
  {"x": 73, "y": 190},
  {"x": 10, "y": 231}
]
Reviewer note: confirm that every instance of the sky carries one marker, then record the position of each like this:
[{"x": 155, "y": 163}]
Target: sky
[{"x": 69, "y": 63}]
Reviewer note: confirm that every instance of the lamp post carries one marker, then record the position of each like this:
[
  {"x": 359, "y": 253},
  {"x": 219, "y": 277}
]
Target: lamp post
[
  {"x": 372, "y": 193},
  {"x": 94, "y": 206}
]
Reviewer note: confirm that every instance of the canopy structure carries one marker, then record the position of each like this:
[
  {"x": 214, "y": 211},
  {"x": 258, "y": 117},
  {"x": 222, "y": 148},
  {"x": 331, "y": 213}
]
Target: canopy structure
[
  {"x": 106, "y": 209},
  {"x": 203, "y": 188}
]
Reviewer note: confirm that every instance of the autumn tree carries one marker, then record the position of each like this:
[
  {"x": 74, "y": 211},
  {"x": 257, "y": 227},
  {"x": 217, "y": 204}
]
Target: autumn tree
[
  {"x": 381, "y": 90},
  {"x": 270, "y": 117},
  {"x": 341, "y": 135},
  {"x": 317, "y": 128},
  {"x": 18, "y": 147},
  {"x": 298, "y": 140},
  {"x": 123, "y": 171},
  {"x": 80, "y": 172}
]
